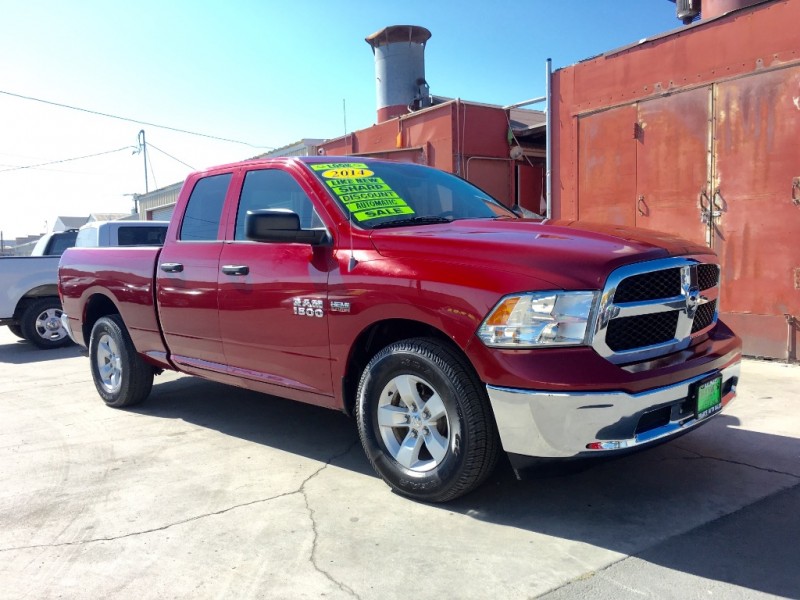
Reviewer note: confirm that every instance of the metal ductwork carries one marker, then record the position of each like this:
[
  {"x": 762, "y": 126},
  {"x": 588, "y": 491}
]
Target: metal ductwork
[
  {"x": 400, "y": 69},
  {"x": 687, "y": 10}
]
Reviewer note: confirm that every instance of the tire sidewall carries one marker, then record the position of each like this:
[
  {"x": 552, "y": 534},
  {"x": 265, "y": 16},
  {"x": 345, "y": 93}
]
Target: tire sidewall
[
  {"x": 28, "y": 329},
  {"x": 390, "y": 363},
  {"x": 109, "y": 327}
]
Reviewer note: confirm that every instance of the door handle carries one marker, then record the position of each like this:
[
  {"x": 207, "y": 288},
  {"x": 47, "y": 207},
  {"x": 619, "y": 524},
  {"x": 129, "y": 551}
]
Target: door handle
[
  {"x": 705, "y": 207},
  {"x": 642, "y": 207},
  {"x": 236, "y": 269},
  {"x": 172, "y": 267}
]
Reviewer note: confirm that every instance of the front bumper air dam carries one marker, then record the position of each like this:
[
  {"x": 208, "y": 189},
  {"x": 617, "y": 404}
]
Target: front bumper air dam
[{"x": 554, "y": 425}]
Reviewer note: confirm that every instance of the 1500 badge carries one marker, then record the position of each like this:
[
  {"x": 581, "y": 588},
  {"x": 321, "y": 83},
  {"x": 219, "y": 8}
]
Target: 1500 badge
[
  {"x": 308, "y": 307},
  {"x": 311, "y": 307}
]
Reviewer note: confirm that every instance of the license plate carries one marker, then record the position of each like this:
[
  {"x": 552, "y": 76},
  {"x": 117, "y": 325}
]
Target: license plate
[{"x": 709, "y": 397}]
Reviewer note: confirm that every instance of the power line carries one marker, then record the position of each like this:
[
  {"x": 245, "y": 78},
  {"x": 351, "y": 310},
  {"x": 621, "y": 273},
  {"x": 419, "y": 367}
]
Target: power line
[
  {"x": 63, "y": 160},
  {"x": 170, "y": 155},
  {"x": 137, "y": 121},
  {"x": 152, "y": 170}
]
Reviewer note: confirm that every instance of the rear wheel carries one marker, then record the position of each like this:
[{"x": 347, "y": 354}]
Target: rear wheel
[
  {"x": 41, "y": 325},
  {"x": 424, "y": 421},
  {"x": 120, "y": 375}
]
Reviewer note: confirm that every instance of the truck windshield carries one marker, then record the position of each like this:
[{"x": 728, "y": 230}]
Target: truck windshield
[{"x": 384, "y": 194}]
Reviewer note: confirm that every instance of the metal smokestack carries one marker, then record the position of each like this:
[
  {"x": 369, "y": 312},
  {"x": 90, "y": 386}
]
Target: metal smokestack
[{"x": 400, "y": 69}]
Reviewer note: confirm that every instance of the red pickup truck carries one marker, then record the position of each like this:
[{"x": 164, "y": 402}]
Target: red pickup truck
[{"x": 447, "y": 325}]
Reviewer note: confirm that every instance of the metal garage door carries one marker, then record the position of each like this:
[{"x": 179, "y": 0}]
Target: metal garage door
[{"x": 162, "y": 214}]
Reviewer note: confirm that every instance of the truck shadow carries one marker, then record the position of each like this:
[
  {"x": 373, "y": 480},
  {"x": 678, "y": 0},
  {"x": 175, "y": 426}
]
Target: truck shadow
[
  {"x": 720, "y": 503},
  {"x": 19, "y": 352}
]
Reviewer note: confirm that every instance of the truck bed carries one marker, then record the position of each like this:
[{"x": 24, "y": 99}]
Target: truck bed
[{"x": 124, "y": 276}]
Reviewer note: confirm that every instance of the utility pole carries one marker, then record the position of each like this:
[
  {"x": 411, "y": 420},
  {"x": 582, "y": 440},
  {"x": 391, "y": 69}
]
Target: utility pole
[{"x": 143, "y": 149}]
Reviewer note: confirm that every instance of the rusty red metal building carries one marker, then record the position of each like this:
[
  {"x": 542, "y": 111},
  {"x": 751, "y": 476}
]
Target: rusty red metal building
[{"x": 697, "y": 132}]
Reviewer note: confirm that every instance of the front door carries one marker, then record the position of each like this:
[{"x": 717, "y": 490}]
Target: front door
[{"x": 273, "y": 296}]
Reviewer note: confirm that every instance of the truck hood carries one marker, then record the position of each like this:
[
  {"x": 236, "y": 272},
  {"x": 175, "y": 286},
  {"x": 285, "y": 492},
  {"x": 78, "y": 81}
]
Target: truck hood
[{"x": 567, "y": 255}]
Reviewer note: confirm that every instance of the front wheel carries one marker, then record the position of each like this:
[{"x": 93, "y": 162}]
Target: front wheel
[
  {"x": 17, "y": 331},
  {"x": 424, "y": 421},
  {"x": 120, "y": 375},
  {"x": 40, "y": 324}
]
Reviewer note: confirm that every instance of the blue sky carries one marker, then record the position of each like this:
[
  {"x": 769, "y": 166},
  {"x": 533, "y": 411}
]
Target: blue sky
[{"x": 265, "y": 73}]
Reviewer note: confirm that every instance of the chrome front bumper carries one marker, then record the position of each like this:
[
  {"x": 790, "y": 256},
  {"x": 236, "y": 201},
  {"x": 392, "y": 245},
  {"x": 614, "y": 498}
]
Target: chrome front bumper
[{"x": 564, "y": 425}]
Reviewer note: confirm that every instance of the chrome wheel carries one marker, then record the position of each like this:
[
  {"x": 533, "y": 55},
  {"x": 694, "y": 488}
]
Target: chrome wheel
[
  {"x": 413, "y": 423},
  {"x": 121, "y": 376},
  {"x": 48, "y": 325},
  {"x": 109, "y": 364},
  {"x": 424, "y": 420}
]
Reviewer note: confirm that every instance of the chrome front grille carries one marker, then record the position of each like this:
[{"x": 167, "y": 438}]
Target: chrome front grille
[{"x": 654, "y": 308}]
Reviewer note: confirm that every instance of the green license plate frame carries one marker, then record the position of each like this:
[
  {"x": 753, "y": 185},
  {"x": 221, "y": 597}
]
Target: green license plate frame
[{"x": 707, "y": 396}]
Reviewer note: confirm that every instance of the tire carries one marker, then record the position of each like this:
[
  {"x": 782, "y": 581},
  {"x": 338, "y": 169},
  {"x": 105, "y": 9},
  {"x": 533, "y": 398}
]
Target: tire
[
  {"x": 424, "y": 421},
  {"x": 120, "y": 375},
  {"x": 40, "y": 324},
  {"x": 16, "y": 330}
]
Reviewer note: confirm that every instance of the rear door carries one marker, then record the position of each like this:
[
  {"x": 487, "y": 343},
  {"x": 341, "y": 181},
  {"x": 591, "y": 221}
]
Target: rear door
[
  {"x": 273, "y": 296},
  {"x": 186, "y": 279}
]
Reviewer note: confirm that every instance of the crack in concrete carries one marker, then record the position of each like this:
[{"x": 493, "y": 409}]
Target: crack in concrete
[
  {"x": 299, "y": 490},
  {"x": 697, "y": 456},
  {"x": 311, "y": 515},
  {"x": 152, "y": 530}
]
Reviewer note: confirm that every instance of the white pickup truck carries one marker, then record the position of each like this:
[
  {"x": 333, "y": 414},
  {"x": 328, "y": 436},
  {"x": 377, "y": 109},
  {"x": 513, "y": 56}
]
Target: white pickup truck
[{"x": 29, "y": 303}]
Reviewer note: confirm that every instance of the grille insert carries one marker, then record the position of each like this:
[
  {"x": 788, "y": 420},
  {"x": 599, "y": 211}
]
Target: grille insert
[
  {"x": 643, "y": 330},
  {"x": 649, "y": 286},
  {"x": 704, "y": 316},
  {"x": 707, "y": 276}
]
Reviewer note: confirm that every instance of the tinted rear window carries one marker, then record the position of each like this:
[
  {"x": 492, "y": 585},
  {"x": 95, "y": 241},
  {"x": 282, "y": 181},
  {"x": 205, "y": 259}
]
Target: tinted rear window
[
  {"x": 60, "y": 242},
  {"x": 142, "y": 236}
]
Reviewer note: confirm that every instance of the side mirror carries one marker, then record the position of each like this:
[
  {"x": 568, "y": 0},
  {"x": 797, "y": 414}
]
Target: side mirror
[{"x": 282, "y": 226}]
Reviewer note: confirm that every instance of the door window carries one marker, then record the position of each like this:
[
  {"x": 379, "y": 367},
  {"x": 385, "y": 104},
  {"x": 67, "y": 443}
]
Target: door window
[
  {"x": 271, "y": 188},
  {"x": 204, "y": 209}
]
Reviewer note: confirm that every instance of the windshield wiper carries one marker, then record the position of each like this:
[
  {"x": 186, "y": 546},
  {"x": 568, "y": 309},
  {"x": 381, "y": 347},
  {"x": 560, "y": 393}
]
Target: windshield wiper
[{"x": 413, "y": 221}]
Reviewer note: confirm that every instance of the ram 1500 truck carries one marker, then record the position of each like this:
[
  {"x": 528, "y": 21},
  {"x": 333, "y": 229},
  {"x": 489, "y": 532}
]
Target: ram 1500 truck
[{"x": 448, "y": 326}]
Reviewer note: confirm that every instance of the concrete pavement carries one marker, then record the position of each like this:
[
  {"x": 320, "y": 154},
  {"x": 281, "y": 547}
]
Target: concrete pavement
[{"x": 209, "y": 491}]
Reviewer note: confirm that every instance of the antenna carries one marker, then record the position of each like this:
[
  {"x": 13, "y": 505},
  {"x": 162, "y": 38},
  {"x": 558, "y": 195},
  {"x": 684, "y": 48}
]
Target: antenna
[
  {"x": 143, "y": 149},
  {"x": 352, "y": 262}
]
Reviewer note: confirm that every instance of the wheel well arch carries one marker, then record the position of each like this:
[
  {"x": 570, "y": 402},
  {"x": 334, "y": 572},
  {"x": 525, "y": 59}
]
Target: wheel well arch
[
  {"x": 97, "y": 307},
  {"x": 376, "y": 337},
  {"x": 42, "y": 291}
]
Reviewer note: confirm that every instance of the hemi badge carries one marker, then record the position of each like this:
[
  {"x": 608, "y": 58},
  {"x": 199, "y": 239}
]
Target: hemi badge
[{"x": 338, "y": 306}]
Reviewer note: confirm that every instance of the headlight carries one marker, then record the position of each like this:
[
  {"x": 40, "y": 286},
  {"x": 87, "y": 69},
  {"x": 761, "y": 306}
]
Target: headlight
[{"x": 539, "y": 319}]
